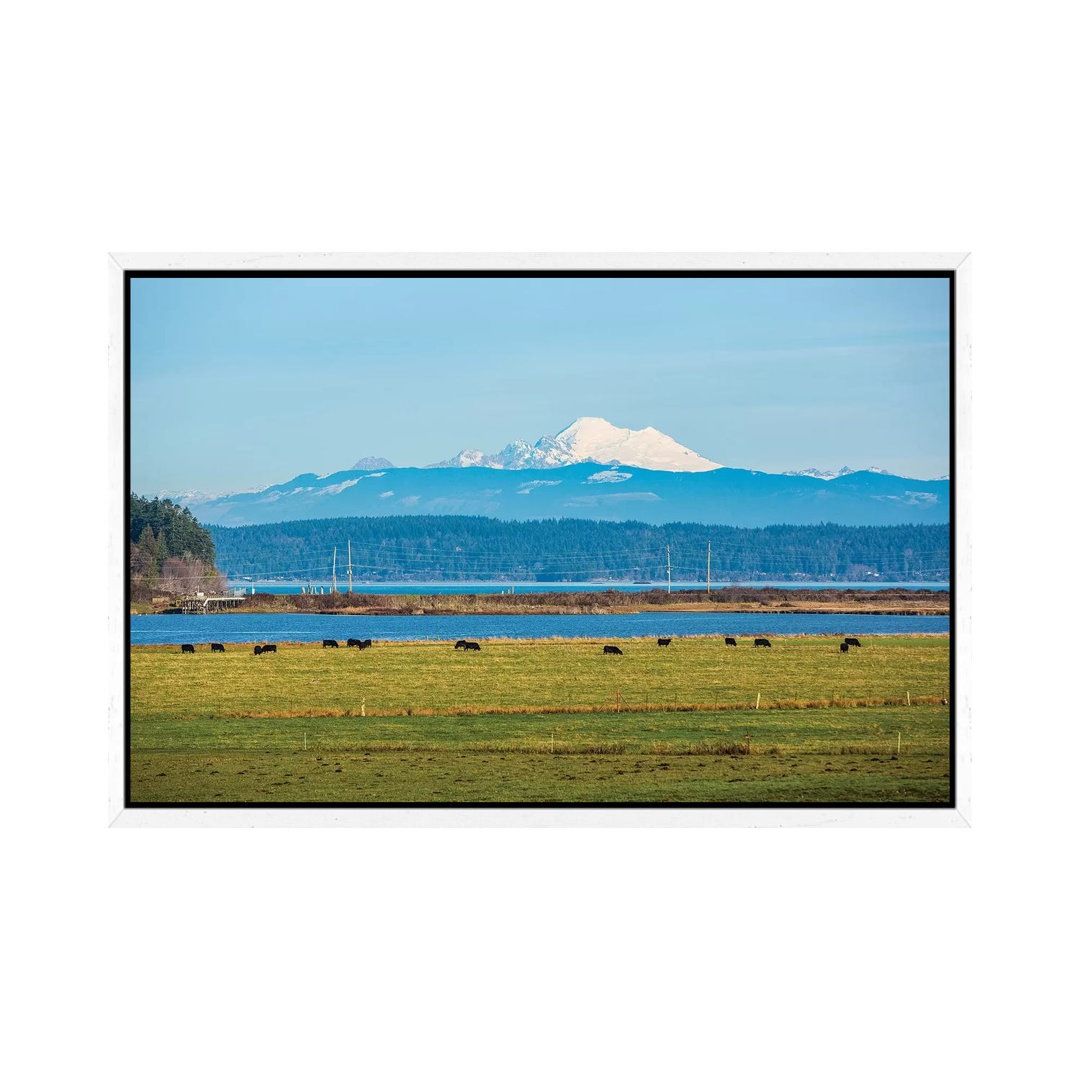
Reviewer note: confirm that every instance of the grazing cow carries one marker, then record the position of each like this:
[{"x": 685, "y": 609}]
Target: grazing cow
[
  {"x": 460, "y": 644},
  {"x": 329, "y": 644},
  {"x": 852, "y": 641},
  {"x": 614, "y": 650},
  {"x": 216, "y": 646},
  {"x": 663, "y": 641},
  {"x": 474, "y": 646},
  {"x": 187, "y": 648},
  {"x": 366, "y": 643},
  {"x": 258, "y": 650},
  {"x": 729, "y": 641},
  {"x": 353, "y": 642},
  {"x": 269, "y": 648},
  {"x": 844, "y": 647},
  {"x": 760, "y": 642}
]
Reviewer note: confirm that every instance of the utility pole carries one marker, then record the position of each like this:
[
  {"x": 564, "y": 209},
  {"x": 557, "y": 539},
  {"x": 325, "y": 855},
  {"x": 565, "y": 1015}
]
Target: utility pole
[
  {"x": 333, "y": 573},
  {"x": 708, "y": 569},
  {"x": 350, "y": 565},
  {"x": 669, "y": 569}
]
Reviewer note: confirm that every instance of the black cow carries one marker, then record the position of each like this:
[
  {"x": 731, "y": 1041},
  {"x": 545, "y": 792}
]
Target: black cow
[
  {"x": 729, "y": 641},
  {"x": 329, "y": 644},
  {"x": 474, "y": 646},
  {"x": 852, "y": 641},
  {"x": 353, "y": 642},
  {"x": 258, "y": 650},
  {"x": 216, "y": 646},
  {"x": 270, "y": 648},
  {"x": 760, "y": 642},
  {"x": 614, "y": 650},
  {"x": 460, "y": 644},
  {"x": 663, "y": 641},
  {"x": 187, "y": 648},
  {"x": 844, "y": 647},
  {"x": 366, "y": 643}
]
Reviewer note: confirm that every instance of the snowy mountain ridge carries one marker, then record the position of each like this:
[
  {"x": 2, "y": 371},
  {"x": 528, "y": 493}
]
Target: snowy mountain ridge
[
  {"x": 832, "y": 474},
  {"x": 589, "y": 439}
]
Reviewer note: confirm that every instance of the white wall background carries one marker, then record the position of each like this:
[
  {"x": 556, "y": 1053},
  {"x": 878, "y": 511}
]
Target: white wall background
[{"x": 583, "y": 126}]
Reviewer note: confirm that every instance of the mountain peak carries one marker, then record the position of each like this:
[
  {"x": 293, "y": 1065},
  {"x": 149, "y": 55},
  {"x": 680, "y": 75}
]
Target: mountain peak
[
  {"x": 366, "y": 463},
  {"x": 833, "y": 474},
  {"x": 589, "y": 425},
  {"x": 595, "y": 440}
]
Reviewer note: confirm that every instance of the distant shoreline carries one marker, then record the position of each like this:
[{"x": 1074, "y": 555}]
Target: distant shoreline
[{"x": 900, "y": 601}]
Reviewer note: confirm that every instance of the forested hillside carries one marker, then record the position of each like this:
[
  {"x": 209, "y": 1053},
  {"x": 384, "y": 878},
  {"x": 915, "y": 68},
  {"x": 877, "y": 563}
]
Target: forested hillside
[
  {"x": 169, "y": 552},
  {"x": 435, "y": 548}
]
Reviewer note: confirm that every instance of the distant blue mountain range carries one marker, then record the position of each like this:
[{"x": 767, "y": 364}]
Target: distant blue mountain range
[{"x": 723, "y": 496}]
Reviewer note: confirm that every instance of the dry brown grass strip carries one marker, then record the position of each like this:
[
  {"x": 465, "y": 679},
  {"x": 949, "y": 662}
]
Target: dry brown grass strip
[{"x": 563, "y": 710}]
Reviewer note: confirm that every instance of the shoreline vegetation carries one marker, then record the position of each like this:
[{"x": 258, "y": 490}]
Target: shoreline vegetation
[{"x": 734, "y": 599}]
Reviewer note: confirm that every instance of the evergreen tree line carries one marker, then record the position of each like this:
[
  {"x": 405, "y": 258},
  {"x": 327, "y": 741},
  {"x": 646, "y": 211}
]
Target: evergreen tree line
[
  {"x": 169, "y": 552},
  {"x": 458, "y": 548}
]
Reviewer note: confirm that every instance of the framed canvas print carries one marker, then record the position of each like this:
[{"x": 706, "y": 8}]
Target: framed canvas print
[{"x": 539, "y": 539}]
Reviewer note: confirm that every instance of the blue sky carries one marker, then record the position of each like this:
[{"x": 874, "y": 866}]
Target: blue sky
[{"x": 240, "y": 383}]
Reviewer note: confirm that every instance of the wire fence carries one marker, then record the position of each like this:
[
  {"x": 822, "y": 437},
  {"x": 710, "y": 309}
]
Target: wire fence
[{"x": 361, "y": 736}]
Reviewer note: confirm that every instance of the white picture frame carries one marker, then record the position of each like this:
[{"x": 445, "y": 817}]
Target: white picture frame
[{"x": 958, "y": 815}]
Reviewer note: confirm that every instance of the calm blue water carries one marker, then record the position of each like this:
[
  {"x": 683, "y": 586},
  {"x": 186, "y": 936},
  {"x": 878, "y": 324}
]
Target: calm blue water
[
  {"x": 428, "y": 588},
  {"x": 289, "y": 626}
]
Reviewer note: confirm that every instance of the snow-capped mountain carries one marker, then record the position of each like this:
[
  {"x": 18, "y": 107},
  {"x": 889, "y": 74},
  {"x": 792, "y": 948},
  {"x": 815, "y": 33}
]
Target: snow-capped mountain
[
  {"x": 197, "y": 498},
  {"x": 591, "y": 470},
  {"x": 464, "y": 460},
  {"x": 817, "y": 474},
  {"x": 589, "y": 439},
  {"x": 829, "y": 474}
]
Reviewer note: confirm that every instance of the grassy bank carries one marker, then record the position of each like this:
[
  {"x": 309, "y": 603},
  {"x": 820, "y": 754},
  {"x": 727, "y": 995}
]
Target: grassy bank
[{"x": 544, "y": 721}]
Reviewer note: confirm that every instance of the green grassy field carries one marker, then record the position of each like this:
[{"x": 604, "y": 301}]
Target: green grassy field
[{"x": 543, "y": 721}]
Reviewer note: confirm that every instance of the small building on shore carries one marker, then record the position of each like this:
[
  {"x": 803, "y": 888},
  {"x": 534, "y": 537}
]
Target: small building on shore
[{"x": 201, "y": 604}]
